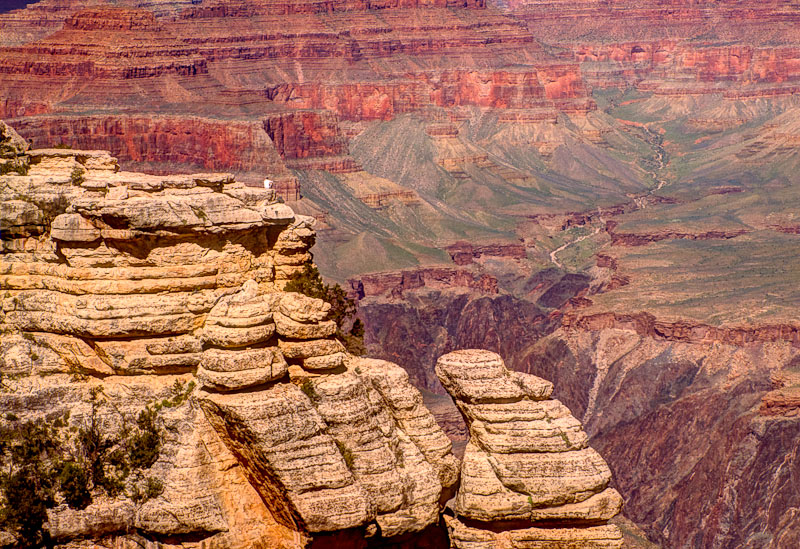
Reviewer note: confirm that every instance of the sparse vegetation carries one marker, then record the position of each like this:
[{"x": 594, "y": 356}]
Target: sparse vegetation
[
  {"x": 13, "y": 167},
  {"x": 76, "y": 177},
  {"x": 152, "y": 488},
  {"x": 347, "y": 454},
  {"x": 349, "y": 331},
  {"x": 310, "y": 391},
  {"x": 200, "y": 213},
  {"x": 52, "y": 460}
]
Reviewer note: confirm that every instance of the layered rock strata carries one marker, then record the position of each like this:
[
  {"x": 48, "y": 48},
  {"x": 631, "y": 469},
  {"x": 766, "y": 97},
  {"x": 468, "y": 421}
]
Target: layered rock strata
[
  {"x": 528, "y": 478},
  {"x": 136, "y": 284},
  {"x": 303, "y": 65}
]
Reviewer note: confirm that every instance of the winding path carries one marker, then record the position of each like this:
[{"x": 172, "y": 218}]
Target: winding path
[
  {"x": 641, "y": 201},
  {"x": 555, "y": 252}
]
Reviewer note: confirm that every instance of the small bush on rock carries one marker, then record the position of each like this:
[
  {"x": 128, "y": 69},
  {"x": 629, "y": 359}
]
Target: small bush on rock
[
  {"x": 49, "y": 461},
  {"x": 348, "y": 330},
  {"x": 76, "y": 177}
]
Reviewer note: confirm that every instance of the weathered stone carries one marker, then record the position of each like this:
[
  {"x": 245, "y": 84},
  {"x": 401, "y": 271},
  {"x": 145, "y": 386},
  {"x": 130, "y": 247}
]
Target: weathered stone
[
  {"x": 526, "y": 461},
  {"x": 73, "y": 228},
  {"x": 302, "y": 308},
  {"x": 241, "y": 319},
  {"x": 277, "y": 213},
  {"x": 298, "y": 330},
  {"x": 326, "y": 362},
  {"x": 219, "y": 360},
  {"x": 19, "y": 217},
  {"x": 96, "y": 521},
  {"x": 226, "y": 370},
  {"x": 369, "y": 463},
  {"x": 237, "y": 337},
  {"x": 11, "y": 144},
  {"x": 404, "y": 402},
  {"x": 309, "y": 348},
  {"x": 480, "y": 376},
  {"x": 56, "y": 159},
  {"x": 593, "y": 537}
]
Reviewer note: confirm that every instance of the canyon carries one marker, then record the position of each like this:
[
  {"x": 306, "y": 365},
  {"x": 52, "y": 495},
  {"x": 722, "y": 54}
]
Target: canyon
[
  {"x": 603, "y": 193},
  {"x": 169, "y": 297}
]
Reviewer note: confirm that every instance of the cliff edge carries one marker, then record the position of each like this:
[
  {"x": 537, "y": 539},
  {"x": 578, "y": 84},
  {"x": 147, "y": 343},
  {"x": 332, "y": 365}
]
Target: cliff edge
[{"x": 126, "y": 294}]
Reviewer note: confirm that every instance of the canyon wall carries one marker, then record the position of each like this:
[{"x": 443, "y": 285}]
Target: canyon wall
[
  {"x": 698, "y": 422},
  {"x": 702, "y": 437}
]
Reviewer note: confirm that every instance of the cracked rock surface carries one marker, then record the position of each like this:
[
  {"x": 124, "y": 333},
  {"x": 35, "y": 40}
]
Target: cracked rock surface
[{"x": 527, "y": 466}]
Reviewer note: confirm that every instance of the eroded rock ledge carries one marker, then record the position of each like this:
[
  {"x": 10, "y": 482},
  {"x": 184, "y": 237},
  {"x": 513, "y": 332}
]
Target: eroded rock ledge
[
  {"x": 528, "y": 479},
  {"x": 130, "y": 283},
  {"x": 136, "y": 289}
]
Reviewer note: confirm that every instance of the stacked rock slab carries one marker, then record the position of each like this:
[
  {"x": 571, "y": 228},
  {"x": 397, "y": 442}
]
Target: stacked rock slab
[
  {"x": 528, "y": 479},
  {"x": 137, "y": 284}
]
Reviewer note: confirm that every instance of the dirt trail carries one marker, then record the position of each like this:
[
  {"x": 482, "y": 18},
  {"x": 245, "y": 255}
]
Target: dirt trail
[
  {"x": 555, "y": 252},
  {"x": 654, "y": 140}
]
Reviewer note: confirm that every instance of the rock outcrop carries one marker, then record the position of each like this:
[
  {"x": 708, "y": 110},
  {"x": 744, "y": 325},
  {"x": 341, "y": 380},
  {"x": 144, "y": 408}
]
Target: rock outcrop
[
  {"x": 135, "y": 286},
  {"x": 528, "y": 478},
  {"x": 394, "y": 284}
]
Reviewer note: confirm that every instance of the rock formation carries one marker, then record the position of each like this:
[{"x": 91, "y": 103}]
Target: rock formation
[
  {"x": 528, "y": 478},
  {"x": 132, "y": 286},
  {"x": 712, "y": 426}
]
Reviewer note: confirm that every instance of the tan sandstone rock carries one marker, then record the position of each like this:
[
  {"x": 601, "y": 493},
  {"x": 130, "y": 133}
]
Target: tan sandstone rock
[
  {"x": 144, "y": 287},
  {"x": 527, "y": 462}
]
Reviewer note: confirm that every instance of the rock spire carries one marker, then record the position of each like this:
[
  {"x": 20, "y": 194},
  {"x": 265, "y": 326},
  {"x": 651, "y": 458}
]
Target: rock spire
[{"x": 528, "y": 479}]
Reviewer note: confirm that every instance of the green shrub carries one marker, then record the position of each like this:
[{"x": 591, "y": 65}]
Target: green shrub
[
  {"x": 347, "y": 454},
  {"x": 145, "y": 443},
  {"x": 309, "y": 282},
  {"x": 76, "y": 176},
  {"x": 47, "y": 460},
  {"x": 13, "y": 167},
  {"x": 152, "y": 488},
  {"x": 308, "y": 388},
  {"x": 29, "y": 482},
  {"x": 73, "y": 481}
]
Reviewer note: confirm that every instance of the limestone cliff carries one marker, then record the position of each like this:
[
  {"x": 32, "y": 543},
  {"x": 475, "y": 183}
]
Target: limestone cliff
[
  {"x": 124, "y": 291},
  {"x": 528, "y": 478}
]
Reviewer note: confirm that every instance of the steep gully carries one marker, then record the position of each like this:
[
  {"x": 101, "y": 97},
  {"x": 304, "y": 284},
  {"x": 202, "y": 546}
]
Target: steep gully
[{"x": 639, "y": 202}]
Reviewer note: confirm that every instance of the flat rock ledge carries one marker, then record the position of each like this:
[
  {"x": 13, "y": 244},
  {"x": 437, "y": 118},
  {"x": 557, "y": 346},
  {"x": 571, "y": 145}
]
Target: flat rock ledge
[{"x": 528, "y": 479}]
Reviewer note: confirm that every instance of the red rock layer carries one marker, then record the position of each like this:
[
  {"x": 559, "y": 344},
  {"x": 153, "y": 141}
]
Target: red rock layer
[
  {"x": 557, "y": 86},
  {"x": 781, "y": 402},
  {"x": 647, "y": 325},
  {"x": 310, "y": 140},
  {"x": 464, "y": 253},
  {"x": 250, "y": 8},
  {"x": 104, "y": 43},
  {"x": 643, "y": 239},
  {"x": 674, "y": 47},
  {"x": 393, "y": 284},
  {"x": 162, "y": 141}
]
